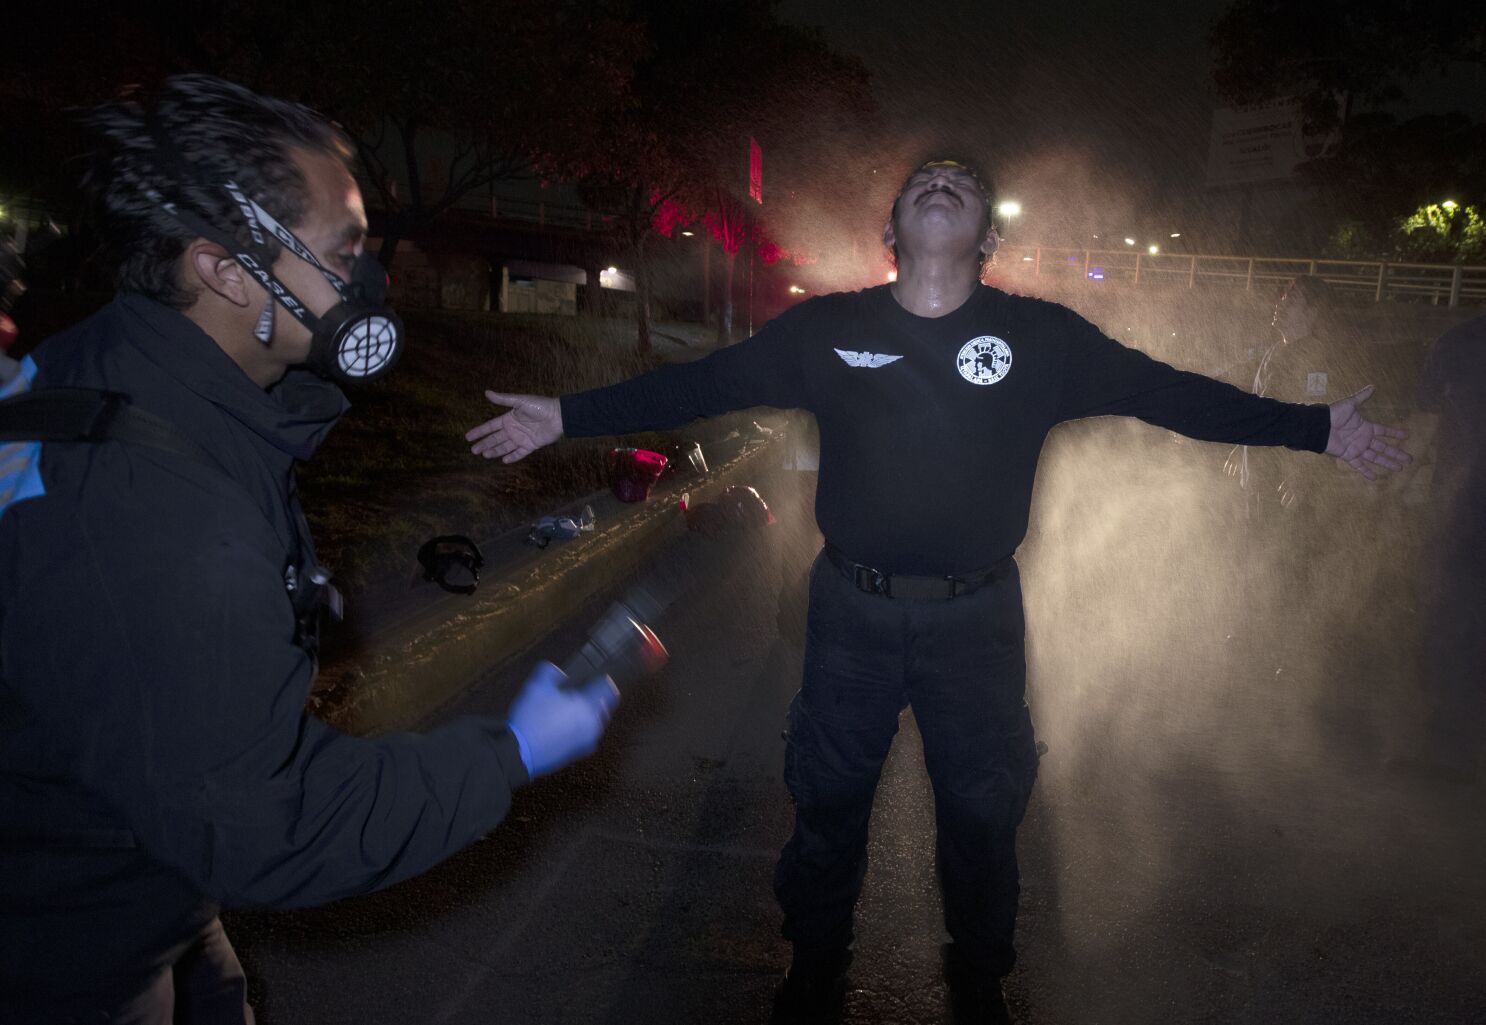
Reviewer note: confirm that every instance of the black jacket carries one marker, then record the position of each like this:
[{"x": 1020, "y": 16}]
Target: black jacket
[{"x": 155, "y": 758}]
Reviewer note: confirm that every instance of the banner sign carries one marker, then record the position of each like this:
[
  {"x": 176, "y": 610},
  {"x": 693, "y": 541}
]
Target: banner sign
[{"x": 1261, "y": 142}]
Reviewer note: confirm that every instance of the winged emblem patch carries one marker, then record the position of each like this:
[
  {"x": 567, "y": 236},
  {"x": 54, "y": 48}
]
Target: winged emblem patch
[{"x": 866, "y": 359}]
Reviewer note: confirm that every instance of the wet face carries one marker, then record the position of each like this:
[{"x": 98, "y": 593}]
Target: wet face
[
  {"x": 941, "y": 208},
  {"x": 334, "y": 229}
]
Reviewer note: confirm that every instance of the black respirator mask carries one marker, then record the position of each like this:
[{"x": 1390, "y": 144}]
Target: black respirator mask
[{"x": 357, "y": 340}]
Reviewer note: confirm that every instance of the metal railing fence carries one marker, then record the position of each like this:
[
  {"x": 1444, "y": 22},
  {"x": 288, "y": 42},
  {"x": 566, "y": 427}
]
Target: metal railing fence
[{"x": 1367, "y": 280}]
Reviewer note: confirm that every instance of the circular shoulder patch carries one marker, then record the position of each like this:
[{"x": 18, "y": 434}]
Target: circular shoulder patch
[{"x": 984, "y": 360}]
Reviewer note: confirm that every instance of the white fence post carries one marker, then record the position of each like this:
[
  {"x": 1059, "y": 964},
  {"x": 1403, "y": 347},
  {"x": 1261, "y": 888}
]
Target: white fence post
[
  {"x": 1037, "y": 262},
  {"x": 1382, "y": 281},
  {"x": 1456, "y": 277},
  {"x": 1248, "y": 284},
  {"x": 1192, "y": 272},
  {"x": 1137, "y": 268}
]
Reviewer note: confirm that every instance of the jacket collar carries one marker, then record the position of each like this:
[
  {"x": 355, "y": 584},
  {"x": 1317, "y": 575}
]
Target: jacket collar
[{"x": 293, "y": 415}]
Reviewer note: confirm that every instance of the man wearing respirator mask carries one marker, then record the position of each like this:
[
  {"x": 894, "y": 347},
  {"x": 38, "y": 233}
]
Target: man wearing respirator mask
[{"x": 159, "y": 592}]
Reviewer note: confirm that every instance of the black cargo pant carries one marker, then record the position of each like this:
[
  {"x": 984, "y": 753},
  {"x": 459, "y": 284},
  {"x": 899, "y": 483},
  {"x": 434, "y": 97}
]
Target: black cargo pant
[
  {"x": 960, "y": 664},
  {"x": 204, "y": 985}
]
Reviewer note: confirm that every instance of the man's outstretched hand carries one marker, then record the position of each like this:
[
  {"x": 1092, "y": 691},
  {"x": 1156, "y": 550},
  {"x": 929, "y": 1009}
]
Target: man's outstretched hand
[
  {"x": 533, "y": 421},
  {"x": 1360, "y": 443}
]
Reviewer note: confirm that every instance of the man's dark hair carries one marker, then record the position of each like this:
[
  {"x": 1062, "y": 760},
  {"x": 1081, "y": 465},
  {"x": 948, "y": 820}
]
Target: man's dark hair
[
  {"x": 987, "y": 190},
  {"x": 224, "y": 132}
]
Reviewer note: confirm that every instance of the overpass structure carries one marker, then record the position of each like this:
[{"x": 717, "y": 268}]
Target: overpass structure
[
  {"x": 460, "y": 250},
  {"x": 534, "y": 230}
]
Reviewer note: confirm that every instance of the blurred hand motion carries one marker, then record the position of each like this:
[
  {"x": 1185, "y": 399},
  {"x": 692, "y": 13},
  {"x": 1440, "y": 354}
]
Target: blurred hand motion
[
  {"x": 1359, "y": 442},
  {"x": 1233, "y": 463},
  {"x": 556, "y": 724},
  {"x": 533, "y": 421}
]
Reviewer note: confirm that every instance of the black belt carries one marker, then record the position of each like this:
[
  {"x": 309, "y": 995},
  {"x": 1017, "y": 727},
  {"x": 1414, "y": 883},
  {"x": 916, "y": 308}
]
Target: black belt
[{"x": 901, "y": 585}]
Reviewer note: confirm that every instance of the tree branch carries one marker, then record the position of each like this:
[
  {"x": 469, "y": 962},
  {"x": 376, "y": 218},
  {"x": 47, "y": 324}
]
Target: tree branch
[{"x": 376, "y": 171}]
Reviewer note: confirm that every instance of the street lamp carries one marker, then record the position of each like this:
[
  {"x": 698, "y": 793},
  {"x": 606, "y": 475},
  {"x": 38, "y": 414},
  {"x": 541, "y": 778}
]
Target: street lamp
[
  {"x": 1009, "y": 210},
  {"x": 1449, "y": 204}
]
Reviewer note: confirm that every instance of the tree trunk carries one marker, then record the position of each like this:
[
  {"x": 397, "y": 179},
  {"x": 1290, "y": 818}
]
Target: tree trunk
[
  {"x": 388, "y": 251},
  {"x": 706, "y": 281},
  {"x": 642, "y": 298},
  {"x": 725, "y": 307},
  {"x": 591, "y": 295},
  {"x": 413, "y": 212}
]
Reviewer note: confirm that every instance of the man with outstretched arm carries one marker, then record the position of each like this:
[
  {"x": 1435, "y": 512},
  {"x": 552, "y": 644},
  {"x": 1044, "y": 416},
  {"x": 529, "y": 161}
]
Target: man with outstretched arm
[
  {"x": 933, "y": 396},
  {"x": 160, "y": 596}
]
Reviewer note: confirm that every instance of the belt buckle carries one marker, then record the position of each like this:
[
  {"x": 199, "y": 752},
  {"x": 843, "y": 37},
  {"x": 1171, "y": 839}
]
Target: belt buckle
[{"x": 875, "y": 582}]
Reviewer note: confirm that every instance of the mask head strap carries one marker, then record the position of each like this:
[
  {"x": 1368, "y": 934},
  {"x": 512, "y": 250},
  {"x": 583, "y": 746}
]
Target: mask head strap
[{"x": 255, "y": 258}]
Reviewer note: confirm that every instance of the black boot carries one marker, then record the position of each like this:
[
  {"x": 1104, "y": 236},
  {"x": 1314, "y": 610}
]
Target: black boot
[
  {"x": 814, "y": 989},
  {"x": 975, "y": 996}
]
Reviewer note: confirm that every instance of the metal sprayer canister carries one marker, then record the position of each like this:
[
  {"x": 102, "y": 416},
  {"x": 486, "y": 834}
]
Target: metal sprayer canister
[{"x": 620, "y": 645}]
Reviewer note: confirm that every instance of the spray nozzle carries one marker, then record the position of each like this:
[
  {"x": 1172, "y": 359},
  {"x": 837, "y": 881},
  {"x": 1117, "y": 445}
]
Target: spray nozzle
[{"x": 620, "y": 645}]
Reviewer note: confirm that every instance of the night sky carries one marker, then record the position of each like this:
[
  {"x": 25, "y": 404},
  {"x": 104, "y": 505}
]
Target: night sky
[{"x": 1094, "y": 112}]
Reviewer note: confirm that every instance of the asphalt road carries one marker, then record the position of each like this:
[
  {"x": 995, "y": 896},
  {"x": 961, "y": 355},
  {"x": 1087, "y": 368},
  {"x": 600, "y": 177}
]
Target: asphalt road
[{"x": 1214, "y": 837}]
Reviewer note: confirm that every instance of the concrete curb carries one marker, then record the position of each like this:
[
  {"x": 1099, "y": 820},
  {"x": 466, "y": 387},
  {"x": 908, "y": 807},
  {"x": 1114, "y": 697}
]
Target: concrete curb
[{"x": 419, "y": 660}]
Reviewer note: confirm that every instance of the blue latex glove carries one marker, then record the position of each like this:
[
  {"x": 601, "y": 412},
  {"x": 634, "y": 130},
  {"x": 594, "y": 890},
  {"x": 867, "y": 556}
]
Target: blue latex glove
[{"x": 554, "y": 725}]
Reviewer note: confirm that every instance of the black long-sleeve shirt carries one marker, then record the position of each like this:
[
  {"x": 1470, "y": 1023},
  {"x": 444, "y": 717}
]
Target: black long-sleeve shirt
[
  {"x": 155, "y": 757},
  {"x": 931, "y": 427}
]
